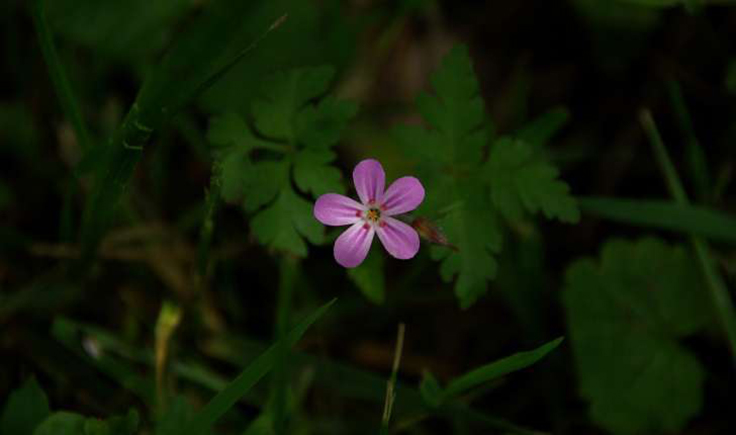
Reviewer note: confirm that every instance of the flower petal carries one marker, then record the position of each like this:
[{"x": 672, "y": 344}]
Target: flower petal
[
  {"x": 404, "y": 194},
  {"x": 399, "y": 239},
  {"x": 370, "y": 180},
  {"x": 352, "y": 245},
  {"x": 335, "y": 210}
]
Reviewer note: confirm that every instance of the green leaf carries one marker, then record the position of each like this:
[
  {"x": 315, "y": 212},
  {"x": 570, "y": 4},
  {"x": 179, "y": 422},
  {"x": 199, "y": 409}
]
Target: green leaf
[
  {"x": 62, "y": 423},
  {"x": 450, "y": 163},
  {"x": 370, "y": 277},
  {"x": 431, "y": 391},
  {"x": 541, "y": 130},
  {"x": 520, "y": 181},
  {"x": 230, "y": 130},
  {"x": 127, "y": 425},
  {"x": 283, "y": 224},
  {"x": 176, "y": 418},
  {"x": 25, "y": 409},
  {"x": 473, "y": 228},
  {"x": 301, "y": 130},
  {"x": 287, "y": 93},
  {"x": 322, "y": 125},
  {"x": 456, "y": 111},
  {"x": 664, "y": 215},
  {"x": 312, "y": 172},
  {"x": 225, "y": 400},
  {"x": 499, "y": 368},
  {"x": 625, "y": 314}
]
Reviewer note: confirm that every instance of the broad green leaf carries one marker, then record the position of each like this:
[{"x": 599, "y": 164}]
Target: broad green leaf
[
  {"x": 520, "y": 180},
  {"x": 625, "y": 314},
  {"x": 61, "y": 423},
  {"x": 541, "y": 130},
  {"x": 313, "y": 173},
  {"x": 287, "y": 93},
  {"x": 299, "y": 128},
  {"x": 283, "y": 224},
  {"x": 223, "y": 401},
  {"x": 500, "y": 368},
  {"x": 370, "y": 277},
  {"x": 664, "y": 215},
  {"x": 230, "y": 130},
  {"x": 322, "y": 125},
  {"x": 24, "y": 410}
]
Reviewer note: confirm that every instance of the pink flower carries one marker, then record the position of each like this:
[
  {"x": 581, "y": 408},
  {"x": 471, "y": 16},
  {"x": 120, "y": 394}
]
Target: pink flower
[{"x": 372, "y": 215}]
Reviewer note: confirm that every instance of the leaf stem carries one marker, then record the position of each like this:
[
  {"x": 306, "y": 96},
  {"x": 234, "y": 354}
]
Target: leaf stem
[{"x": 718, "y": 292}]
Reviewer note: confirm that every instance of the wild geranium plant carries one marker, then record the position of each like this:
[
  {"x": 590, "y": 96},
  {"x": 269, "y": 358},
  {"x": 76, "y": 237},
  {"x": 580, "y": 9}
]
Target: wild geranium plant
[
  {"x": 372, "y": 215},
  {"x": 475, "y": 178}
]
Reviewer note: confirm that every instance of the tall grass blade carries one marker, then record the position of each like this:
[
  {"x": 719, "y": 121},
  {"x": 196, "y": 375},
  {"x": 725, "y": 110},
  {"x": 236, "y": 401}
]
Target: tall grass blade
[
  {"x": 663, "y": 215},
  {"x": 718, "y": 292},
  {"x": 223, "y": 401}
]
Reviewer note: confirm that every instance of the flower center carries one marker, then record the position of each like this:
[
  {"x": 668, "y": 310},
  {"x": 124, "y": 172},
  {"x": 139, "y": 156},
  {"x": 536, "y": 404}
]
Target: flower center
[{"x": 373, "y": 214}]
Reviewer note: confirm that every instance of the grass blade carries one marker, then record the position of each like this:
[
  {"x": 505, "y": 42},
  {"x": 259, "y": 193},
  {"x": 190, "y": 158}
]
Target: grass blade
[
  {"x": 223, "y": 401},
  {"x": 500, "y": 368},
  {"x": 697, "y": 163},
  {"x": 718, "y": 292},
  {"x": 56, "y": 71},
  {"x": 665, "y": 215},
  {"x": 184, "y": 72}
]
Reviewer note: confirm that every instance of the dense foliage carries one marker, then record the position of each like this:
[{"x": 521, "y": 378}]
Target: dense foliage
[{"x": 163, "y": 269}]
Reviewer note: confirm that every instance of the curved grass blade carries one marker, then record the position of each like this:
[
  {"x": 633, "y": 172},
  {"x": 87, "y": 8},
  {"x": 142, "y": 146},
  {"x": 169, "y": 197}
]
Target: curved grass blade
[
  {"x": 61, "y": 83},
  {"x": 499, "y": 368},
  {"x": 665, "y": 215},
  {"x": 223, "y": 401},
  {"x": 213, "y": 46}
]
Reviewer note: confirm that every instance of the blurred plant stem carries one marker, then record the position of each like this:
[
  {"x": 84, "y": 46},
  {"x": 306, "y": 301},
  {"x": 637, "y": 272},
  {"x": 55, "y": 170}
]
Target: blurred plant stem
[
  {"x": 391, "y": 384},
  {"x": 168, "y": 320},
  {"x": 718, "y": 292},
  {"x": 288, "y": 275}
]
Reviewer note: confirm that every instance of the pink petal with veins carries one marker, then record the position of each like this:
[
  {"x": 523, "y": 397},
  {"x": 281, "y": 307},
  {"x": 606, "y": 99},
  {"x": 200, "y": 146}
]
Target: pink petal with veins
[
  {"x": 399, "y": 239},
  {"x": 352, "y": 246},
  {"x": 404, "y": 194},
  {"x": 370, "y": 180},
  {"x": 335, "y": 210}
]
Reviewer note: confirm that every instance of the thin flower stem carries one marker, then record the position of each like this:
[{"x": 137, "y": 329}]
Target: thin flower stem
[
  {"x": 61, "y": 83},
  {"x": 718, "y": 292},
  {"x": 391, "y": 385},
  {"x": 288, "y": 274}
]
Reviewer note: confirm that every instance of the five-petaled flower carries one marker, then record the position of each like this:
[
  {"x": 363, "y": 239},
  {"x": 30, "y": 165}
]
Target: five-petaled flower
[{"x": 372, "y": 215}]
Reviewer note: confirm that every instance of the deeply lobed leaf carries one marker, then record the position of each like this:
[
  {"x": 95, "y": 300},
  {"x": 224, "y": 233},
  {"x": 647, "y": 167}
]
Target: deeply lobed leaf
[
  {"x": 625, "y": 314},
  {"x": 296, "y": 131}
]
